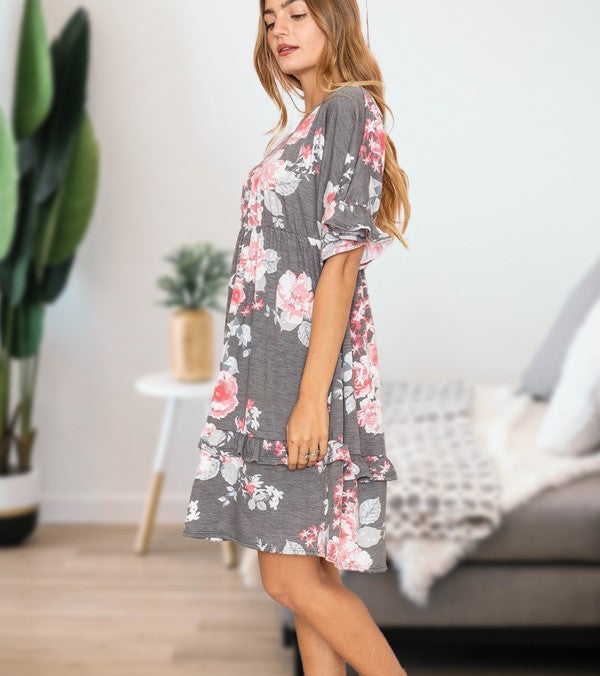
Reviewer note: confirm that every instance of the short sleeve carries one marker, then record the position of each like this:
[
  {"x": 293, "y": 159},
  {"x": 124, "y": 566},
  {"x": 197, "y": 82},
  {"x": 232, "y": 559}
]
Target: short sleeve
[{"x": 350, "y": 176}]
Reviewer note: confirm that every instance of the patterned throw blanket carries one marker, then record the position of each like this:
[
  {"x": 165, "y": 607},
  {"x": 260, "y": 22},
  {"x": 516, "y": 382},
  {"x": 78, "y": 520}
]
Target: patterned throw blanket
[
  {"x": 465, "y": 456},
  {"x": 447, "y": 486}
]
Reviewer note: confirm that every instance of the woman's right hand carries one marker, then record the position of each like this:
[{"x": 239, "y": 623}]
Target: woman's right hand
[{"x": 307, "y": 430}]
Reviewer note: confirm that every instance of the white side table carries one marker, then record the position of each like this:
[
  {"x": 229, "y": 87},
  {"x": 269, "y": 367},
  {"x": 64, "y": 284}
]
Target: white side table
[{"x": 165, "y": 386}]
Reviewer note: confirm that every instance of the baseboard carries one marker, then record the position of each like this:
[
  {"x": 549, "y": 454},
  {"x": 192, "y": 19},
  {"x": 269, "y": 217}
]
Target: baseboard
[{"x": 106, "y": 508}]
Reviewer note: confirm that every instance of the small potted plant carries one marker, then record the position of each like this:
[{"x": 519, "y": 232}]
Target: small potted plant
[{"x": 200, "y": 274}]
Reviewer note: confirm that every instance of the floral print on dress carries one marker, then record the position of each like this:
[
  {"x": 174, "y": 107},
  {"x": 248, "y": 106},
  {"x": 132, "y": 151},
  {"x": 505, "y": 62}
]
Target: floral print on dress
[
  {"x": 294, "y": 304},
  {"x": 347, "y": 549},
  {"x": 315, "y": 195},
  {"x": 224, "y": 398}
]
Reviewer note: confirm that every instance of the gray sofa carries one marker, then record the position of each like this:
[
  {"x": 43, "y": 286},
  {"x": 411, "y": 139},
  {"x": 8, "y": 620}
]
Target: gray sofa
[{"x": 536, "y": 580}]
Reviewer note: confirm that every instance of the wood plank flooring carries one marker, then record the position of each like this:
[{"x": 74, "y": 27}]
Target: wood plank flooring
[{"x": 77, "y": 601}]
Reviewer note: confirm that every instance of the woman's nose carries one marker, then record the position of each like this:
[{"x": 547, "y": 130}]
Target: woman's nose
[{"x": 280, "y": 28}]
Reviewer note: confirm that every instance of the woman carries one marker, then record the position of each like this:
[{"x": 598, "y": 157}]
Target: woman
[{"x": 292, "y": 456}]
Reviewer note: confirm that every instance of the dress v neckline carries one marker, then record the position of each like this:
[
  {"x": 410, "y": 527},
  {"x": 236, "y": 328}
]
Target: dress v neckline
[{"x": 286, "y": 138}]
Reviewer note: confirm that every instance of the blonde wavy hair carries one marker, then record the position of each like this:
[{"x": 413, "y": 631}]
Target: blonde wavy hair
[{"x": 347, "y": 50}]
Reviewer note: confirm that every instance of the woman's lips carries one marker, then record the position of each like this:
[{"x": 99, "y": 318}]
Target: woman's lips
[{"x": 287, "y": 50}]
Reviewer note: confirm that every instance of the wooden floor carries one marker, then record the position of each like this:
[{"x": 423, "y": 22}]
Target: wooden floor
[{"x": 76, "y": 600}]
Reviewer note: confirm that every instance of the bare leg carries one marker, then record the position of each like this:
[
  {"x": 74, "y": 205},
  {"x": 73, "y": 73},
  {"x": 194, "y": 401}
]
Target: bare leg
[
  {"x": 340, "y": 616},
  {"x": 318, "y": 657}
]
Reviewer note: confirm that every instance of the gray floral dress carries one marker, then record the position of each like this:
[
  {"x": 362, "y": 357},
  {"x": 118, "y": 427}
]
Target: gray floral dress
[{"x": 314, "y": 195}]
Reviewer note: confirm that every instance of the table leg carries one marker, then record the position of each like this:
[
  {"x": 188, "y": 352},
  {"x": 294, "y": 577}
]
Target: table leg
[
  {"x": 147, "y": 523},
  {"x": 230, "y": 558}
]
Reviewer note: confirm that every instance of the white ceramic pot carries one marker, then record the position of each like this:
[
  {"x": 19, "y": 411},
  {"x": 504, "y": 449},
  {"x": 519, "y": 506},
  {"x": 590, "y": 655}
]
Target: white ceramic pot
[{"x": 19, "y": 506}]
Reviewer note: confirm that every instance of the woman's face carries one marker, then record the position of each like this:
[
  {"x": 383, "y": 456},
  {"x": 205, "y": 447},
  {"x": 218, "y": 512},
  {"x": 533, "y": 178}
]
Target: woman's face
[{"x": 289, "y": 22}]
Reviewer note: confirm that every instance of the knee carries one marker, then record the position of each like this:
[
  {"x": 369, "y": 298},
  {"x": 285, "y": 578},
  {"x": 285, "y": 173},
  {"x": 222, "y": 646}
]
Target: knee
[
  {"x": 297, "y": 595},
  {"x": 278, "y": 589},
  {"x": 293, "y": 594},
  {"x": 293, "y": 581},
  {"x": 283, "y": 589}
]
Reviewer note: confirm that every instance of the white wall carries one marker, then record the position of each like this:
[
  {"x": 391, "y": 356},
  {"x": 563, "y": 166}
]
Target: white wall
[{"x": 497, "y": 111}]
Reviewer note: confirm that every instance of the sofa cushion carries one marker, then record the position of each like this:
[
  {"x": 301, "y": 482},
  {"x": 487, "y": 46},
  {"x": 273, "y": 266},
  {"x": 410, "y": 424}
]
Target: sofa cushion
[
  {"x": 528, "y": 595},
  {"x": 571, "y": 425},
  {"x": 542, "y": 374},
  {"x": 559, "y": 524}
]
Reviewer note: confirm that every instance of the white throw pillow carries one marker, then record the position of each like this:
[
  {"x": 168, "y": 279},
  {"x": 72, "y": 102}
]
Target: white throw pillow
[{"x": 572, "y": 422}]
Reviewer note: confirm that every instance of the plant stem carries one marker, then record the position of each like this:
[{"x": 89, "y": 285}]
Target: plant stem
[
  {"x": 5, "y": 391},
  {"x": 28, "y": 378}
]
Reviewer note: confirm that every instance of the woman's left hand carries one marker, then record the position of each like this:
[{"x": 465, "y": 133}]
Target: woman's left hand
[{"x": 307, "y": 430}]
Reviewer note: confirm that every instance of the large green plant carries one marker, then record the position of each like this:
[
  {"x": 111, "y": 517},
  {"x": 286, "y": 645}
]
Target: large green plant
[{"x": 48, "y": 179}]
